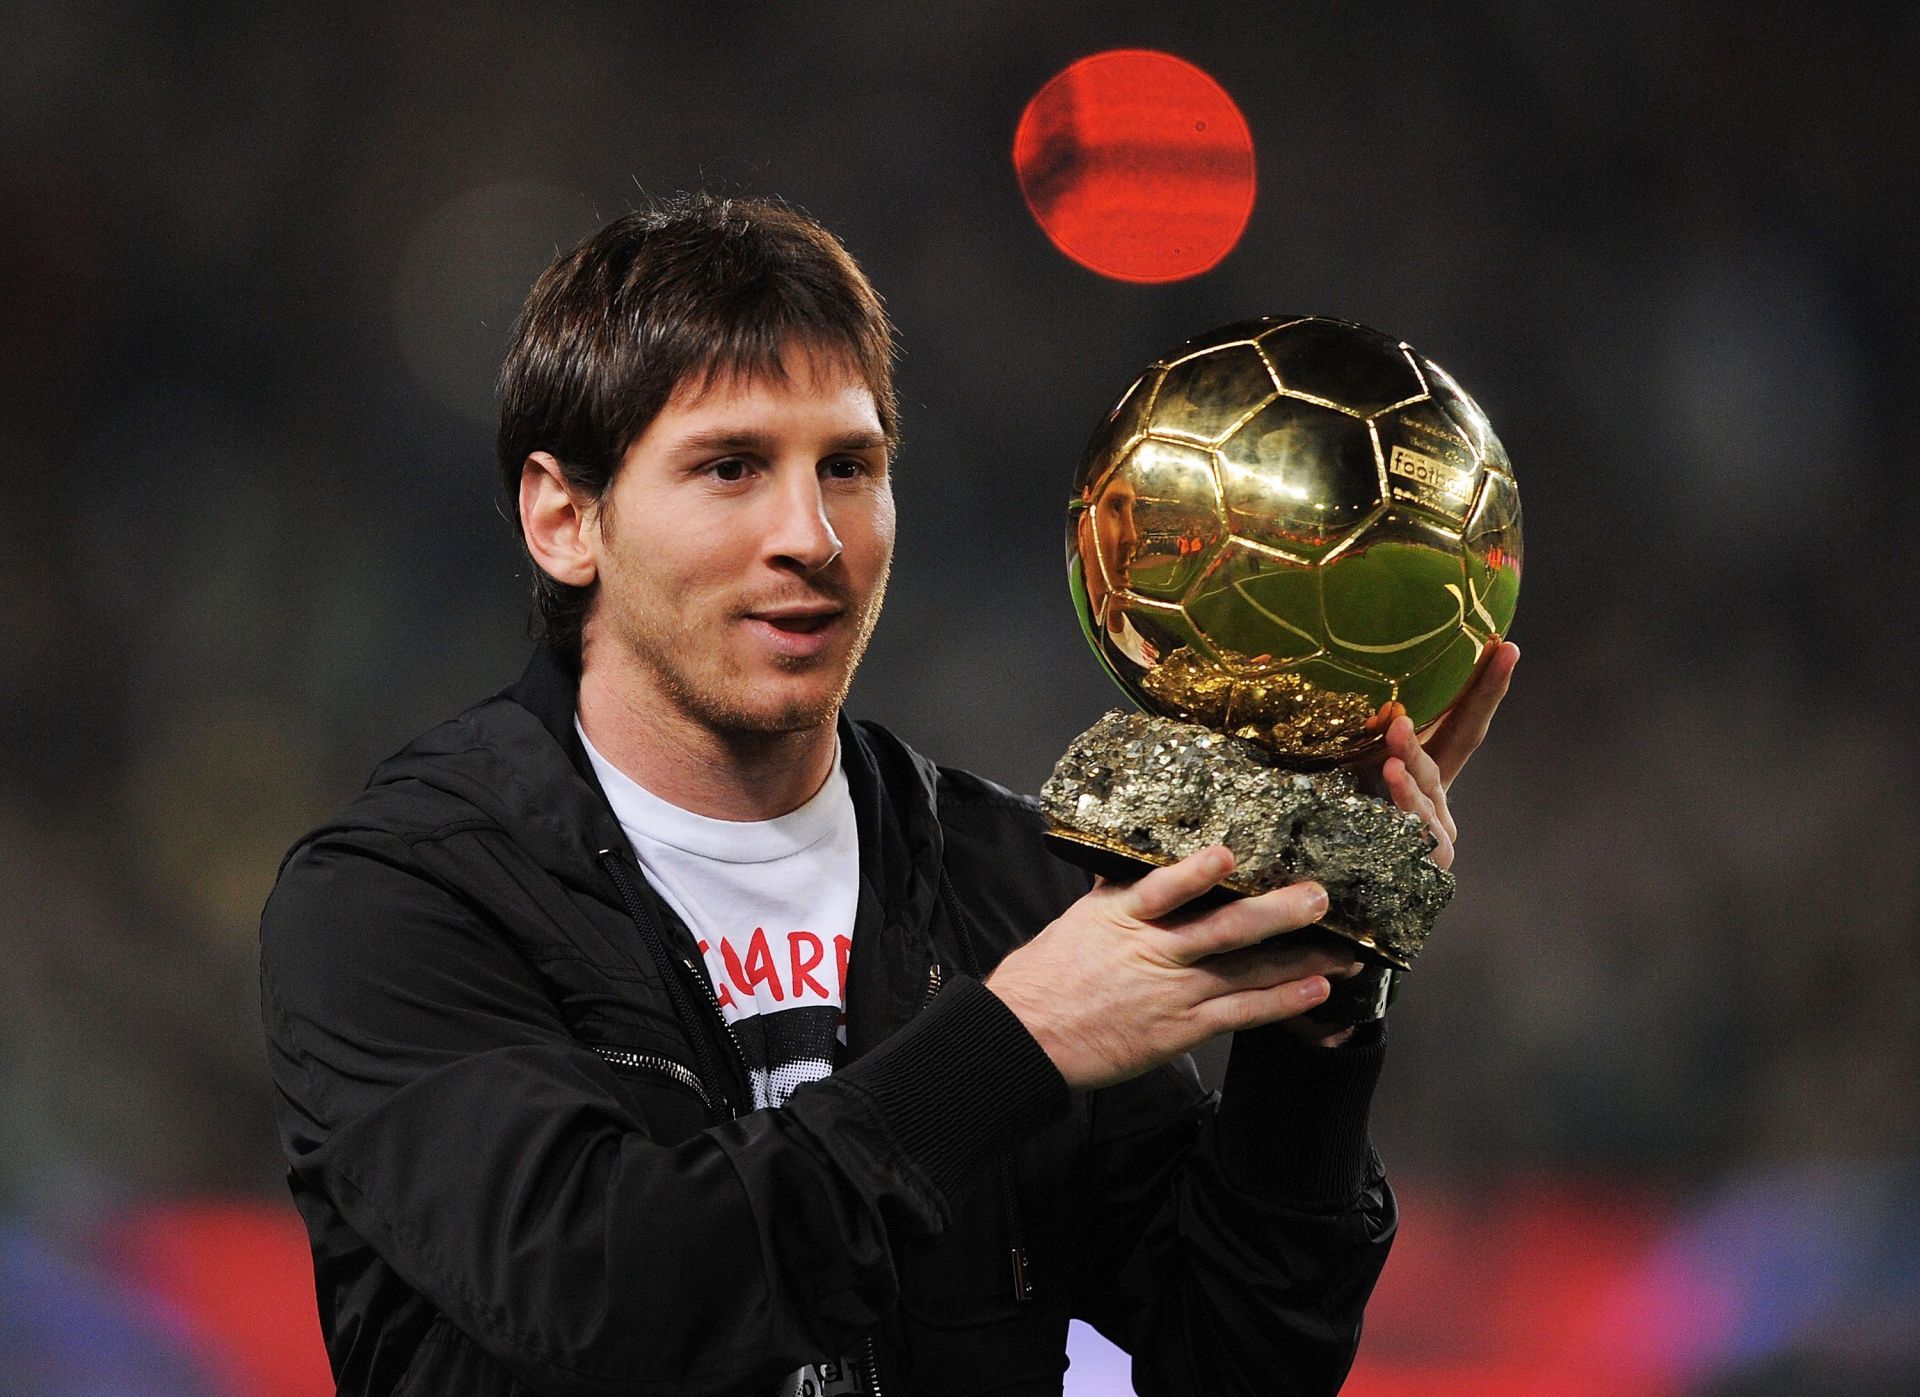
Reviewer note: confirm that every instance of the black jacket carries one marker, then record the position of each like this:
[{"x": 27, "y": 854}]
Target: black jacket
[{"x": 510, "y": 1111}]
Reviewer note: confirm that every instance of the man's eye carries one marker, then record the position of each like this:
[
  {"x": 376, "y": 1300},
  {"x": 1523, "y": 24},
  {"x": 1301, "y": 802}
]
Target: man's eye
[
  {"x": 730, "y": 470},
  {"x": 845, "y": 468}
]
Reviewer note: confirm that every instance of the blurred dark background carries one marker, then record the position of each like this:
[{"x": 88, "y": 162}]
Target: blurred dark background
[{"x": 257, "y": 268}]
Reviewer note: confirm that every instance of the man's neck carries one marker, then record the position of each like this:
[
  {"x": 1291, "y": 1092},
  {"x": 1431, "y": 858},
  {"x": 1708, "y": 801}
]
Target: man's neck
[{"x": 722, "y": 775}]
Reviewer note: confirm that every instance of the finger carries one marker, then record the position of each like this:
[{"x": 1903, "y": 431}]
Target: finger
[
  {"x": 1247, "y": 921},
  {"x": 1167, "y": 889},
  {"x": 1273, "y": 963},
  {"x": 1412, "y": 799},
  {"x": 1404, "y": 743},
  {"x": 1407, "y": 746},
  {"x": 1409, "y": 797},
  {"x": 1466, "y": 726},
  {"x": 1251, "y": 1008}
]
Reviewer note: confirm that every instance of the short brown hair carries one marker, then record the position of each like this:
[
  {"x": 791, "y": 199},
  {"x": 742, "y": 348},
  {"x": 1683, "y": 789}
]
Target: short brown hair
[{"x": 694, "y": 289}]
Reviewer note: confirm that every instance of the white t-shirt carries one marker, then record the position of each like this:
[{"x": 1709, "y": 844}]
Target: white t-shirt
[{"x": 771, "y": 904}]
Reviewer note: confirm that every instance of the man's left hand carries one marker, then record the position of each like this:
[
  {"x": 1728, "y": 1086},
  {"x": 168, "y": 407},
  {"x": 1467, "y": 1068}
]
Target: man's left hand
[
  {"x": 1417, "y": 770},
  {"x": 1415, "y": 775}
]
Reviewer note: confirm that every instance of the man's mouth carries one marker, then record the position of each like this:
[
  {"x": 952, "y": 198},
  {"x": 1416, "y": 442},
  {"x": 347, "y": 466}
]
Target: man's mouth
[{"x": 801, "y": 624}]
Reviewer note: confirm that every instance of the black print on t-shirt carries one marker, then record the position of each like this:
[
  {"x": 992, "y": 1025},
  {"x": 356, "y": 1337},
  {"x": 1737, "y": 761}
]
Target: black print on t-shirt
[{"x": 787, "y": 1048}]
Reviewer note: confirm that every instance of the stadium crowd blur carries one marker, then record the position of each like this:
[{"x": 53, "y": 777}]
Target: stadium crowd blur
[{"x": 257, "y": 272}]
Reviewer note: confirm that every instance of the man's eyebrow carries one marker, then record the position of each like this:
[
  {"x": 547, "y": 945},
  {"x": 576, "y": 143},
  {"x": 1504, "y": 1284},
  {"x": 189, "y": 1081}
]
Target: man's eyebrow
[{"x": 765, "y": 443}]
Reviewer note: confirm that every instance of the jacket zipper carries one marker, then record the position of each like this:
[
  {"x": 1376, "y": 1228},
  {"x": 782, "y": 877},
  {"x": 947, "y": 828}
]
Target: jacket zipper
[
  {"x": 662, "y": 1066},
  {"x": 1016, "y": 1242},
  {"x": 682, "y": 1006},
  {"x": 935, "y": 978},
  {"x": 719, "y": 1016},
  {"x": 1016, "y": 1232}
]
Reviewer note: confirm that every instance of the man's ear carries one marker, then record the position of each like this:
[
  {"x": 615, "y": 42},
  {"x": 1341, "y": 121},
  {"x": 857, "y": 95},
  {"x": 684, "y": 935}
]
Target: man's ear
[{"x": 563, "y": 543}]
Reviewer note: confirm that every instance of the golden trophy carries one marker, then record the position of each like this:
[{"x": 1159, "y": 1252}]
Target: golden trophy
[{"x": 1288, "y": 532}]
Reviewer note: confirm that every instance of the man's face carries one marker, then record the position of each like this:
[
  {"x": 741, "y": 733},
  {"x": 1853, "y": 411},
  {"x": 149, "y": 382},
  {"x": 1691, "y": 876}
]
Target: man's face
[{"x": 743, "y": 550}]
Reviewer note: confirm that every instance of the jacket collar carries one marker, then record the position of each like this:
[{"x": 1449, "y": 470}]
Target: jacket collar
[
  {"x": 549, "y": 689},
  {"x": 893, "y": 789}
]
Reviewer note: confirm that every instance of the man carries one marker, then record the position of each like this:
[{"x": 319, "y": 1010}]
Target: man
[{"x": 651, "y": 1028}]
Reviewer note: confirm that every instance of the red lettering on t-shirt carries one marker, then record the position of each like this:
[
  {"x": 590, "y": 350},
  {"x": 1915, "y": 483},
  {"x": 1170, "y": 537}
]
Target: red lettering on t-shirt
[
  {"x": 723, "y": 994},
  {"x": 804, "y": 952},
  {"x": 842, "y": 945},
  {"x": 758, "y": 969}
]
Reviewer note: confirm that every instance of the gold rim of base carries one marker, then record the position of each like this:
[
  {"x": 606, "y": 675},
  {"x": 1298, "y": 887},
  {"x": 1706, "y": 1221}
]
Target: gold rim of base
[{"x": 1114, "y": 846}]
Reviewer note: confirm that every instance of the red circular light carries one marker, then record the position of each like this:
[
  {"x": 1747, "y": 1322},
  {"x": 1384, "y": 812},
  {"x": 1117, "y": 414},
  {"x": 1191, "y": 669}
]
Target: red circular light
[{"x": 1137, "y": 165}]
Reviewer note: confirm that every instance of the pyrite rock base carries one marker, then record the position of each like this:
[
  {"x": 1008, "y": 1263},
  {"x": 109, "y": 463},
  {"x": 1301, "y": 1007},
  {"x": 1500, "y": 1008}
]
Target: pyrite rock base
[{"x": 1134, "y": 791}]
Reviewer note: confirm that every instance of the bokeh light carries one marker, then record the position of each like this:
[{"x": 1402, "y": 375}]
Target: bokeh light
[{"x": 1137, "y": 165}]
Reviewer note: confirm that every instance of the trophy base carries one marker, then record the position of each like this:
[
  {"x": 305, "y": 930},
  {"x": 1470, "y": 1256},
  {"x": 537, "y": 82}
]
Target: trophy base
[{"x": 1135, "y": 792}]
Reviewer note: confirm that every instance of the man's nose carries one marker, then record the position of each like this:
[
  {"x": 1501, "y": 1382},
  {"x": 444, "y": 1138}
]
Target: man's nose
[{"x": 802, "y": 535}]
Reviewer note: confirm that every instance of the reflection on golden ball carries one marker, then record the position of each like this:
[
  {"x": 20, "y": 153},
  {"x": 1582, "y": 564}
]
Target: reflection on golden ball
[{"x": 1294, "y": 529}]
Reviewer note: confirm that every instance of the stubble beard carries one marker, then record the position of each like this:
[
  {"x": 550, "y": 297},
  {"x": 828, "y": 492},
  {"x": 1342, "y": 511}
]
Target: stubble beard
[{"x": 711, "y": 698}]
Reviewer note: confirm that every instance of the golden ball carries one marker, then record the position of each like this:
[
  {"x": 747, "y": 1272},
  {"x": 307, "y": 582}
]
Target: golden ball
[{"x": 1294, "y": 529}]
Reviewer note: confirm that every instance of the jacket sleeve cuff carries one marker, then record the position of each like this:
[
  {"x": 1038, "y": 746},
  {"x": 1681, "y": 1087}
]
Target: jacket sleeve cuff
[
  {"x": 960, "y": 1083},
  {"x": 1292, "y": 1123}
]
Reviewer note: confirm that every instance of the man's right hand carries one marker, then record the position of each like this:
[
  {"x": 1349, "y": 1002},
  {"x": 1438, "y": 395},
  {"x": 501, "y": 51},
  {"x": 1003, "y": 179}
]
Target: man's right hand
[{"x": 1124, "y": 981}]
